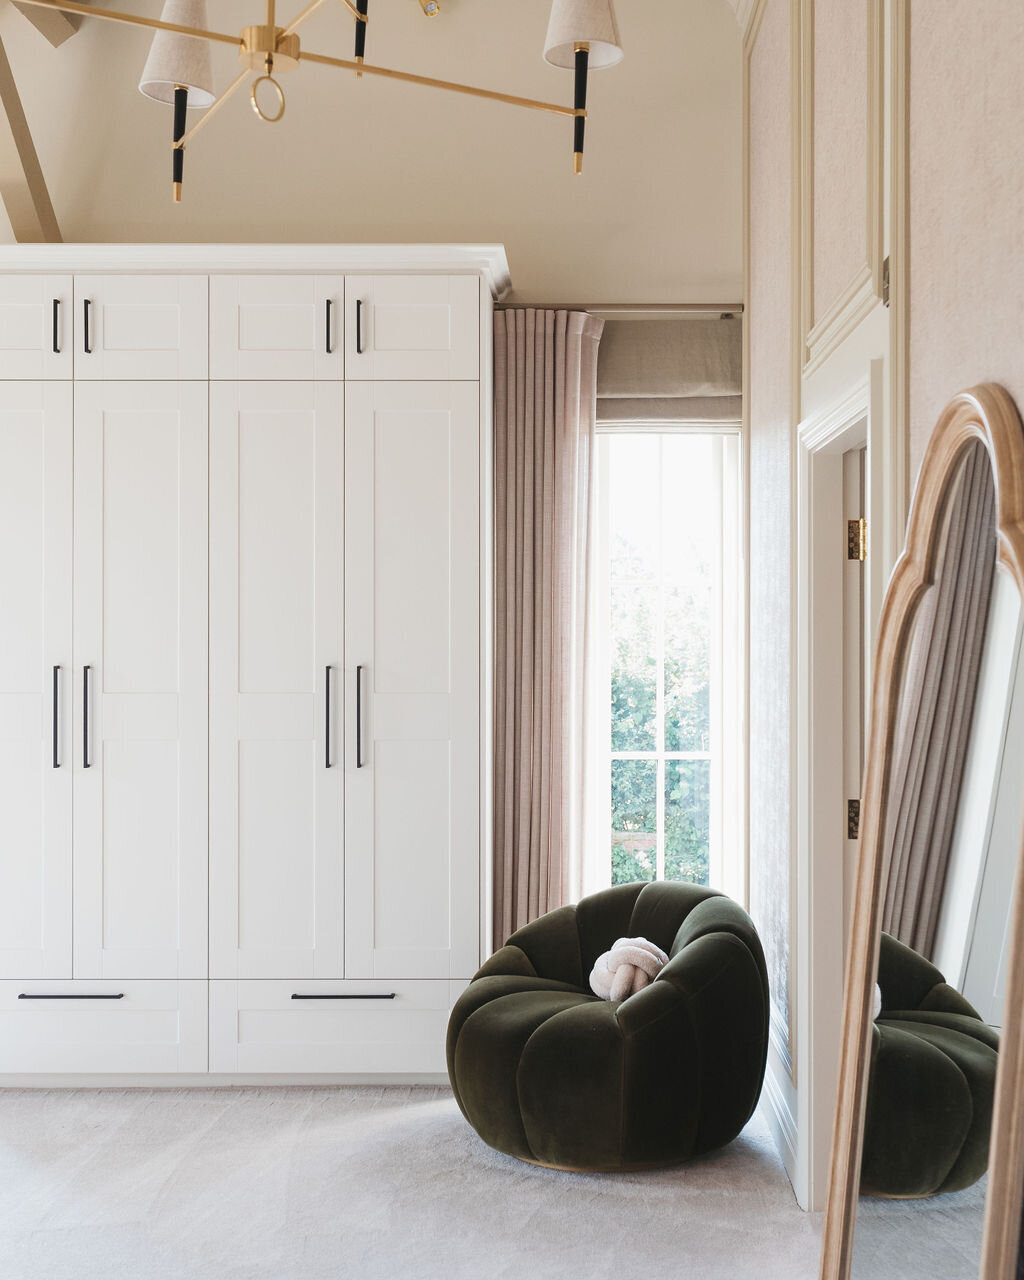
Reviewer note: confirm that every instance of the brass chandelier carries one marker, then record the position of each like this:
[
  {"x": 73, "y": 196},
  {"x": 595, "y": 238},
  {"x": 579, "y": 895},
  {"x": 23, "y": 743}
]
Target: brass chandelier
[{"x": 583, "y": 36}]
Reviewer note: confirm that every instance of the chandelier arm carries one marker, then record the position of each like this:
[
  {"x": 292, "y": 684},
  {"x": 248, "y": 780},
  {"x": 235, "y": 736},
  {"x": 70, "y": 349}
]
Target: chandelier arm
[
  {"x": 212, "y": 110},
  {"x": 451, "y": 85},
  {"x": 359, "y": 17},
  {"x": 300, "y": 18},
  {"x": 133, "y": 20}
]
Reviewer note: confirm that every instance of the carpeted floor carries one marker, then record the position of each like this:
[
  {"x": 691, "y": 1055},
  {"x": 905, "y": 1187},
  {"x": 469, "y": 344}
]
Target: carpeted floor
[{"x": 360, "y": 1184}]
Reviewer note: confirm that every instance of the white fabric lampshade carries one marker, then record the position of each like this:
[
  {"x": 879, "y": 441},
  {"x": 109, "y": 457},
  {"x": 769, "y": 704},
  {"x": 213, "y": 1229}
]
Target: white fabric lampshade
[
  {"x": 576, "y": 22},
  {"x": 176, "y": 59}
]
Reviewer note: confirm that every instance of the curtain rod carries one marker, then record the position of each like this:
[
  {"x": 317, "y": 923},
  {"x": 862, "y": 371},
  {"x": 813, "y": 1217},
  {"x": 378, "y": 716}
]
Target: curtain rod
[{"x": 633, "y": 308}]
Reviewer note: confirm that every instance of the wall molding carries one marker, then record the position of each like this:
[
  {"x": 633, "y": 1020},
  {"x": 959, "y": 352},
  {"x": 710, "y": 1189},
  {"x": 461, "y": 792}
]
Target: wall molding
[
  {"x": 781, "y": 1121},
  {"x": 898, "y": 461},
  {"x": 820, "y": 336}
]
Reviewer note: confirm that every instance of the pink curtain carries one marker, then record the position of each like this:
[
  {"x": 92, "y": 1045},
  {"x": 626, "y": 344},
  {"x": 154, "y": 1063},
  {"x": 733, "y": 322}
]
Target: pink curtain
[{"x": 545, "y": 374}]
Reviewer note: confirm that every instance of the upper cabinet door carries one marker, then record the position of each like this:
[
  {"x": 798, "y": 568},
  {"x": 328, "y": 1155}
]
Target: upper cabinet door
[
  {"x": 277, "y": 327},
  {"x": 140, "y": 692},
  {"x": 36, "y": 327},
  {"x": 35, "y": 680},
  {"x": 400, "y": 328},
  {"x": 141, "y": 327},
  {"x": 276, "y": 636},
  {"x": 412, "y": 653}
]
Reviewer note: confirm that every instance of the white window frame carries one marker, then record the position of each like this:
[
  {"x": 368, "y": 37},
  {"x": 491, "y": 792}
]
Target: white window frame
[{"x": 728, "y": 860}]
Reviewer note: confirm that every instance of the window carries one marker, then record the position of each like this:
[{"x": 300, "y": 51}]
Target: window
[{"x": 669, "y": 654}]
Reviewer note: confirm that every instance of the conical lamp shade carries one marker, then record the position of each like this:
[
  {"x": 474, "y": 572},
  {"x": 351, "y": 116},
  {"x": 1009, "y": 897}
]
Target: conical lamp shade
[
  {"x": 177, "y": 60},
  {"x": 576, "y": 22}
]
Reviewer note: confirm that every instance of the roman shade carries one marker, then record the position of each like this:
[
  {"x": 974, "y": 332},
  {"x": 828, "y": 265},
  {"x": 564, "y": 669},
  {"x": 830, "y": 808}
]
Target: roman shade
[{"x": 670, "y": 369}]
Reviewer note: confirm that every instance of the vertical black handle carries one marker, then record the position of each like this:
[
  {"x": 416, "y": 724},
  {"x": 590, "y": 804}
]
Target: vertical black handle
[
  {"x": 56, "y": 326},
  {"x": 86, "y": 307},
  {"x": 329, "y": 342},
  {"x": 56, "y": 717},
  {"x": 327, "y": 717},
  {"x": 359, "y": 717},
  {"x": 359, "y": 326},
  {"x": 86, "y": 764}
]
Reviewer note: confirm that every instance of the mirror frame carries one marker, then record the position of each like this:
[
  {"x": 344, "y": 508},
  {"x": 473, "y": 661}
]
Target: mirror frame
[{"x": 988, "y": 414}]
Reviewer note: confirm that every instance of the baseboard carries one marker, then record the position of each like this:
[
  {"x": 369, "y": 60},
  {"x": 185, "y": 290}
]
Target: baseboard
[
  {"x": 777, "y": 1107},
  {"x": 206, "y": 1081}
]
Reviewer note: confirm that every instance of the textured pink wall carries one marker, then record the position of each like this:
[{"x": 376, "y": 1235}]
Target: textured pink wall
[
  {"x": 840, "y": 147},
  {"x": 966, "y": 204},
  {"x": 770, "y": 489}
]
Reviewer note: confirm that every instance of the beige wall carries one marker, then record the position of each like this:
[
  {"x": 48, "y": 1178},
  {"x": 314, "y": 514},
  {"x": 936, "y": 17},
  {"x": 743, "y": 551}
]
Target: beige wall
[
  {"x": 656, "y": 215},
  {"x": 966, "y": 205},
  {"x": 771, "y": 441}
]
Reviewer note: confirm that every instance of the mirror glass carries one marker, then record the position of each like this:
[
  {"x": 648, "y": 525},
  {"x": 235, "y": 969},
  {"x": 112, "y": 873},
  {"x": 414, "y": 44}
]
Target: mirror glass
[{"x": 952, "y": 841}]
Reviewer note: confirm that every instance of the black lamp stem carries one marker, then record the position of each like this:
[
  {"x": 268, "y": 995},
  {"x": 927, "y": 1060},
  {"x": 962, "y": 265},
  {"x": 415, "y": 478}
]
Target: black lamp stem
[
  {"x": 180, "y": 106},
  {"x": 580, "y": 103},
  {"x": 361, "y": 5}
]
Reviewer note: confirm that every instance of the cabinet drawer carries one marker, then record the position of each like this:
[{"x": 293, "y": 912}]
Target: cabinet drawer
[
  {"x": 326, "y": 1027},
  {"x": 36, "y": 327},
  {"x": 418, "y": 328},
  {"x": 141, "y": 328},
  {"x": 154, "y": 1026},
  {"x": 276, "y": 327}
]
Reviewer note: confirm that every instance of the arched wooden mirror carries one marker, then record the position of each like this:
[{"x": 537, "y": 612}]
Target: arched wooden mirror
[{"x": 928, "y": 1148}]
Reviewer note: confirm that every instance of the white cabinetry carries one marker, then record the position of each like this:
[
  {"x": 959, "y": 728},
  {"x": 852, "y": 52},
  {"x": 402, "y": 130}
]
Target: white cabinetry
[
  {"x": 242, "y": 657},
  {"x": 276, "y": 648}
]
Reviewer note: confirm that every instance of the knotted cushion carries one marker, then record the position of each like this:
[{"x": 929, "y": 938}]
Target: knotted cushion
[
  {"x": 931, "y": 1083},
  {"x": 546, "y": 1071}
]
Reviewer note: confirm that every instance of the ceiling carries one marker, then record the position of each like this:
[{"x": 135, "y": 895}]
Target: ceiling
[{"x": 656, "y": 216}]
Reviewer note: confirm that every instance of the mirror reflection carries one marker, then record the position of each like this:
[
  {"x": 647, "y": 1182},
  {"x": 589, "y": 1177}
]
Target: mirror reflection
[{"x": 952, "y": 840}]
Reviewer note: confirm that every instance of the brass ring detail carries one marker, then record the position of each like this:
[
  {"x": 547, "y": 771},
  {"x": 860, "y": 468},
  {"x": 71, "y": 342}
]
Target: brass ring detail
[{"x": 255, "y": 103}]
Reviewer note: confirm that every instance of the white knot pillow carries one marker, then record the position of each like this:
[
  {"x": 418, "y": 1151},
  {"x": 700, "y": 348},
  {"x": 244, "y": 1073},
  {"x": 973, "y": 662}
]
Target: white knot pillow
[{"x": 630, "y": 965}]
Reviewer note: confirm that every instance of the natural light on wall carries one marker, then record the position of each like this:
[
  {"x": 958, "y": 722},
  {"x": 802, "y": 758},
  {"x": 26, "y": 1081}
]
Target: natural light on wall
[{"x": 669, "y": 634}]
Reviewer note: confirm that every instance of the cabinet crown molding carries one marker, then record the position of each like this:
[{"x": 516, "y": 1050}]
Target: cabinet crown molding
[{"x": 487, "y": 260}]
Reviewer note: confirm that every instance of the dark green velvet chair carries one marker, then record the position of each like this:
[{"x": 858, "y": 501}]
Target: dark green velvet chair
[
  {"x": 930, "y": 1085},
  {"x": 547, "y": 1072}
]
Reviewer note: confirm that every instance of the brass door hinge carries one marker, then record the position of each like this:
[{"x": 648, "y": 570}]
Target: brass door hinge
[
  {"x": 852, "y": 819},
  {"x": 885, "y": 282},
  {"x": 857, "y": 539}
]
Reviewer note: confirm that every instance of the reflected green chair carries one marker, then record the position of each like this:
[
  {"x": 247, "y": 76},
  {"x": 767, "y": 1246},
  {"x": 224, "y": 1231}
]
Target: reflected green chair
[
  {"x": 545, "y": 1071},
  {"x": 930, "y": 1085}
]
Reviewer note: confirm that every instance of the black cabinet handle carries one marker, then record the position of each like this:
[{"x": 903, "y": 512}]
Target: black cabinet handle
[
  {"x": 25, "y": 995},
  {"x": 85, "y": 718},
  {"x": 86, "y": 309},
  {"x": 327, "y": 717},
  {"x": 359, "y": 326},
  {"x": 359, "y": 717},
  {"x": 56, "y": 326},
  {"x": 300, "y": 995},
  {"x": 56, "y": 717},
  {"x": 329, "y": 343}
]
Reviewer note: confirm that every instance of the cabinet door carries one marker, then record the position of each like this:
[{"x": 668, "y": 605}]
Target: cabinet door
[
  {"x": 276, "y": 327},
  {"x": 276, "y": 564},
  {"x": 408, "y": 327},
  {"x": 412, "y": 645},
  {"x": 36, "y": 327},
  {"x": 140, "y": 707},
  {"x": 141, "y": 327},
  {"x": 35, "y": 676}
]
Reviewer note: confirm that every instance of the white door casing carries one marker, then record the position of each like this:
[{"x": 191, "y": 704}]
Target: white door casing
[
  {"x": 36, "y": 326},
  {"x": 35, "y": 665},
  {"x": 401, "y": 328},
  {"x": 140, "y": 626},
  {"x": 276, "y": 566},
  {"x": 412, "y": 621},
  {"x": 277, "y": 327},
  {"x": 141, "y": 328}
]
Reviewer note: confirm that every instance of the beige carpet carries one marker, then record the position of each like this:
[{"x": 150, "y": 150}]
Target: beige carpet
[{"x": 360, "y": 1183}]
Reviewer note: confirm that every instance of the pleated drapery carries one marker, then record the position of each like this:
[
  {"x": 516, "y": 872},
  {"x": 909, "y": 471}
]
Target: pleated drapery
[
  {"x": 936, "y": 708},
  {"x": 545, "y": 379}
]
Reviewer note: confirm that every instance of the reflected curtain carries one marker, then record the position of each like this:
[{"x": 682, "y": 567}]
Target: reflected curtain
[
  {"x": 937, "y": 704},
  {"x": 545, "y": 376}
]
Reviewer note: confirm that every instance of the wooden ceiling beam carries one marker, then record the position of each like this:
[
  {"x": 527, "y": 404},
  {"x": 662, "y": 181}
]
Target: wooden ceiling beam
[
  {"x": 54, "y": 25},
  {"x": 22, "y": 185}
]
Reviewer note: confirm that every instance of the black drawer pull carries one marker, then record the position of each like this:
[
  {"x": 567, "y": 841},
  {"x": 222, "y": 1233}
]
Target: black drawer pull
[
  {"x": 329, "y": 343},
  {"x": 359, "y": 326},
  {"x": 31, "y": 996},
  {"x": 87, "y": 342},
  {"x": 56, "y": 326},
  {"x": 298, "y": 995}
]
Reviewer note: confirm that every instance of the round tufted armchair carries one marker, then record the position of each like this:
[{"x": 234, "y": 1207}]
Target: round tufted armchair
[
  {"x": 931, "y": 1083},
  {"x": 547, "y": 1072}
]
